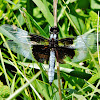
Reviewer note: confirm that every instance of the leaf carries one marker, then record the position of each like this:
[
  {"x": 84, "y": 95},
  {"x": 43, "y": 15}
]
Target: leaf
[
  {"x": 76, "y": 22},
  {"x": 71, "y": 90},
  {"x": 41, "y": 89},
  {"x": 1, "y": 73},
  {"x": 4, "y": 90},
  {"x": 36, "y": 24},
  {"x": 79, "y": 97},
  {"x": 94, "y": 19},
  {"x": 27, "y": 20},
  {"x": 44, "y": 9},
  {"x": 95, "y": 4},
  {"x": 10, "y": 2}
]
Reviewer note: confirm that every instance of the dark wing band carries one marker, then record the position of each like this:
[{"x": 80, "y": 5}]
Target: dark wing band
[
  {"x": 41, "y": 53},
  {"x": 38, "y": 38},
  {"x": 65, "y": 41},
  {"x": 65, "y": 51}
]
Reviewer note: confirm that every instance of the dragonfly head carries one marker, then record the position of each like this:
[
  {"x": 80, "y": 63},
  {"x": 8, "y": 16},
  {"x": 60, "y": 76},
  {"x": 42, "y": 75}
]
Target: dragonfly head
[{"x": 54, "y": 30}]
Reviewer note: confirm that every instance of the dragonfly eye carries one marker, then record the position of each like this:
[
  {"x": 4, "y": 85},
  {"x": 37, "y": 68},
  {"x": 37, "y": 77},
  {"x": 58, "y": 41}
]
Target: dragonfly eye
[{"x": 54, "y": 30}]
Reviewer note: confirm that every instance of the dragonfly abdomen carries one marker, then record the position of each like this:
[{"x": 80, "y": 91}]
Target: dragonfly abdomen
[{"x": 51, "y": 66}]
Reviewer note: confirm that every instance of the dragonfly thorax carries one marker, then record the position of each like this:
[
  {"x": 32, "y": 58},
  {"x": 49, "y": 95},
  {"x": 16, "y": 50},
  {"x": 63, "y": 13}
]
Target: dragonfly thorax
[{"x": 53, "y": 40}]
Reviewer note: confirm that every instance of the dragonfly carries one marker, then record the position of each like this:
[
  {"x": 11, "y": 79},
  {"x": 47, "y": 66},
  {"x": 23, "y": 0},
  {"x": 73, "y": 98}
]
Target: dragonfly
[{"x": 48, "y": 49}]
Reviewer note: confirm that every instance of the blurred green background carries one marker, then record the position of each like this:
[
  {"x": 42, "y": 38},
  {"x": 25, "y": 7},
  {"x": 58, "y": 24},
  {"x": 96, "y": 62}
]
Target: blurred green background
[{"x": 75, "y": 17}]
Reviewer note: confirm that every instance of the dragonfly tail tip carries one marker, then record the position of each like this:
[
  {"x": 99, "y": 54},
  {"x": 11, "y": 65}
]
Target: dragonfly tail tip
[{"x": 50, "y": 83}]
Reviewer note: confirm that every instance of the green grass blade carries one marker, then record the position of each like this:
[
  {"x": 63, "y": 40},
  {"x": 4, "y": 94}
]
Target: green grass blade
[
  {"x": 44, "y": 9},
  {"x": 36, "y": 24},
  {"x": 24, "y": 86},
  {"x": 5, "y": 73},
  {"x": 8, "y": 49},
  {"x": 10, "y": 2}
]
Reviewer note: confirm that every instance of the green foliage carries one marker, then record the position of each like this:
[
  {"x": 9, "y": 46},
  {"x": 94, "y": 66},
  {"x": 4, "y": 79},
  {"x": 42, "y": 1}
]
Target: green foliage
[
  {"x": 80, "y": 81},
  {"x": 4, "y": 90}
]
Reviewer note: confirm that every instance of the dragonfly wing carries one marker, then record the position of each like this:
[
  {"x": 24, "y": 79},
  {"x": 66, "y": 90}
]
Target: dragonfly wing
[
  {"x": 41, "y": 53},
  {"x": 21, "y": 36},
  {"x": 65, "y": 51},
  {"x": 22, "y": 49},
  {"x": 38, "y": 38},
  {"x": 15, "y": 33},
  {"x": 65, "y": 41},
  {"x": 82, "y": 43}
]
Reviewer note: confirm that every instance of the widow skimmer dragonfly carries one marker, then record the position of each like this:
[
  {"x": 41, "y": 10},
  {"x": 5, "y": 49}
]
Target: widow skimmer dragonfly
[{"x": 45, "y": 49}]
